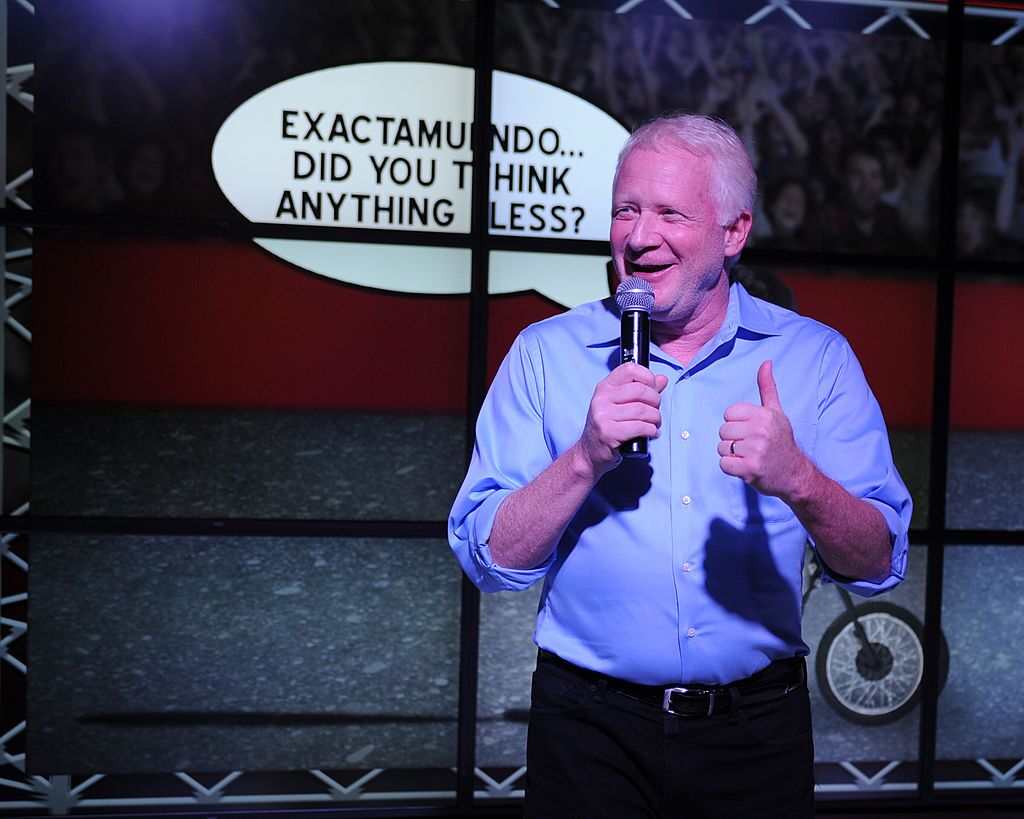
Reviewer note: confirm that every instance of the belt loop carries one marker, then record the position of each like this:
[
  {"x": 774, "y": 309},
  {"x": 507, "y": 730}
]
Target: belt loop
[
  {"x": 734, "y": 704},
  {"x": 600, "y": 689}
]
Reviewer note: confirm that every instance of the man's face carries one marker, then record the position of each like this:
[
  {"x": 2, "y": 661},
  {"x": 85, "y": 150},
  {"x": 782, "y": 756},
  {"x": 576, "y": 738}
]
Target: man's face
[
  {"x": 789, "y": 209},
  {"x": 665, "y": 229},
  {"x": 893, "y": 161},
  {"x": 973, "y": 228},
  {"x": 864, "y": 182}
]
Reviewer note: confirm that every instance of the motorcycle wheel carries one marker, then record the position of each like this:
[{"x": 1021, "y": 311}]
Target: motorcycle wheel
[{"x": 875, "y": 688}]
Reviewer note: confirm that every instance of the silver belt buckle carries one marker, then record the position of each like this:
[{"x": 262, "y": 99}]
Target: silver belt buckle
[{"x": 666, "y": 703}]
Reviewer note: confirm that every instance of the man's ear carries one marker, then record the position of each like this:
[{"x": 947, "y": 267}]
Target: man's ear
[{"x": 736, "y": 234}]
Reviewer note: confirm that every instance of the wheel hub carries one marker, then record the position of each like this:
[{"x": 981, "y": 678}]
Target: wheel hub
[{"x": 876, "y": 664}]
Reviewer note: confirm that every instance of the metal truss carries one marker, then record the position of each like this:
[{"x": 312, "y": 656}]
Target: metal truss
[
  {"x": 629, "y": 5},
  {"x": 785, "y": 8},
  {"x": 17, "y": 75},
  {"x": 995, "y": 778},
  {"x": 900, "y": 11},
  {"x": 861, "y": 782},
  {"x": 894, "y": 776},
  {"x": 61, "y": 794},
  {"x": 500, "y": 788},
  {"x": 17, "y": 289}
]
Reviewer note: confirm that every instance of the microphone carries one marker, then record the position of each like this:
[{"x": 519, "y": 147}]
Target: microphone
[{"x": 635, "y": 298}]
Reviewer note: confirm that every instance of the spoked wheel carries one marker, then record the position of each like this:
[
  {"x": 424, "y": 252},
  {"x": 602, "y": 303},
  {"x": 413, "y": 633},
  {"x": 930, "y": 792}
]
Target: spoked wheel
[{"x": 874, "y": 677}]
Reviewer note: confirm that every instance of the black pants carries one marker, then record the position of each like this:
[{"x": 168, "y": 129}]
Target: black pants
[{"x": 592, "y": 753}]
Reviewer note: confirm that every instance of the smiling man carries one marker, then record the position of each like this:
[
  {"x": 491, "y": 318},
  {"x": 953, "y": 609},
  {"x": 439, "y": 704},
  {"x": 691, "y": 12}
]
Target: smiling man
[{"x": 670, "y": 677}]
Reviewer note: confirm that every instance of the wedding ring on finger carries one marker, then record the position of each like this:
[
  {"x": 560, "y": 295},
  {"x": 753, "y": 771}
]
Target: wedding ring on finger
[{"x": 732, "y": 448}]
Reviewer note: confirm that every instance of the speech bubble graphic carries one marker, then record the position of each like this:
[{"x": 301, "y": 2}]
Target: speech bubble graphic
[
  {"x": 552, "y": 160},
  {"x": 388, "y": 146},
  {"x": 375, "y": 145},
  {"x": 566, "y": 279},
  {"x": 435, "y": 271}
]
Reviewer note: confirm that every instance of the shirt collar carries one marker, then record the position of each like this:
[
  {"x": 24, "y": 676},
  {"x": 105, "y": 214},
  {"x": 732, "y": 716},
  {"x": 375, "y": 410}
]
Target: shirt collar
[{"x": 744, "y": 314}]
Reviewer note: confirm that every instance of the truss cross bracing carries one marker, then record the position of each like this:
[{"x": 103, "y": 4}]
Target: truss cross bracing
[{"x": 900, "y": 12}]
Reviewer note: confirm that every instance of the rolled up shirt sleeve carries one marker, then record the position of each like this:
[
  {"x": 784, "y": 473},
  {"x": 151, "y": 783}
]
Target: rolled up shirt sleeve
[
  {"x": 511, "y": 449},
  {"x": 853, "y": 449}
]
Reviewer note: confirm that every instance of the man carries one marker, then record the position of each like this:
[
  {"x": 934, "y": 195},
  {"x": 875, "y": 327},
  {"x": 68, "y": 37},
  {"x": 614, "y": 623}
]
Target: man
[
  {"x": 860, "y": 220},
  {"x": 670, "y": 679}
]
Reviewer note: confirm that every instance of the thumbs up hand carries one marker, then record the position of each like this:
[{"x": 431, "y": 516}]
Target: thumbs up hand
[
  {"x": 766, "y": 387},
  {"x": 757, "y": 444}
]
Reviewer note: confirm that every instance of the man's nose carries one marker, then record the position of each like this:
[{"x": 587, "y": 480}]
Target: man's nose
[{"x": 644, "y": 233}]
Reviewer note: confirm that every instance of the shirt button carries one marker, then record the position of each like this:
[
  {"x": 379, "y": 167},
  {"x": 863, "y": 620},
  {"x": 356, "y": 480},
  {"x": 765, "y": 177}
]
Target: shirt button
[
  {"x": 687, "y": 567},
  {"x": 691, "y": 632},
  {"x": 684, "y": 434},
  {"x": 686, "y": 500}
]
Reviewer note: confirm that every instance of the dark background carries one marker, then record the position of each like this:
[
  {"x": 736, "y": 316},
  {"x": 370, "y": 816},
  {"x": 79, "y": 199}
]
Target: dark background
[{"x": 236, "y": 502}]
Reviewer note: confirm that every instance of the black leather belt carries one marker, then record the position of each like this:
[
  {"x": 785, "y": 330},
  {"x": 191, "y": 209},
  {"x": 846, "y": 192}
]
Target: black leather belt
[{"x": 692, "y": 700}]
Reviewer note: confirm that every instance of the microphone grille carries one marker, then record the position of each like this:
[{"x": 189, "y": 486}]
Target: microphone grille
[{"x": 635, "y": 294}]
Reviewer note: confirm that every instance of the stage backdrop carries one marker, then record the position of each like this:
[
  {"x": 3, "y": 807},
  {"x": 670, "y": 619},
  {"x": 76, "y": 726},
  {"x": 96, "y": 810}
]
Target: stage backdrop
[{"x": 178, "y": 373}]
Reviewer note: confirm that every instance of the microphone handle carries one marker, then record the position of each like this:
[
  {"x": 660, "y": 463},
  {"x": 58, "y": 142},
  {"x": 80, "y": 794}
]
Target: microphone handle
[{"x": 636, "y": 346}]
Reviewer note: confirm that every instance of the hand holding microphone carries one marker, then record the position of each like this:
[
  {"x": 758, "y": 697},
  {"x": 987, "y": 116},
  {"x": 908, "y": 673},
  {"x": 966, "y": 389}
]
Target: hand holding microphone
[
  {"x": 635, "y": 298},
  {"x": 624, "y": 412}
]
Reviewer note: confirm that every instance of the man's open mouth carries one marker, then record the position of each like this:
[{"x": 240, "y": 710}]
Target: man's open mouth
[{"x": 633, "y": 268}]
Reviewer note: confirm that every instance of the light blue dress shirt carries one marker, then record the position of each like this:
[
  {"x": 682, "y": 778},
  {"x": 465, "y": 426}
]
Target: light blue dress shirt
[{"x": 671, "y": 570}]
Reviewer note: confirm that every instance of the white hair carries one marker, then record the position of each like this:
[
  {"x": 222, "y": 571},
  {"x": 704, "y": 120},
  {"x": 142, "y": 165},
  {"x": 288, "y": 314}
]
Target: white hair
[{"x": 733, "y": 180}]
